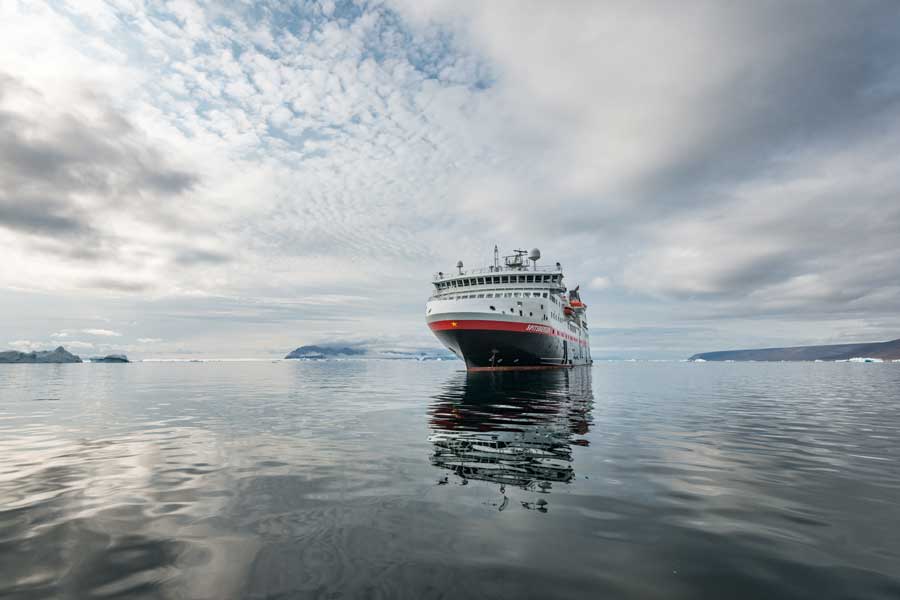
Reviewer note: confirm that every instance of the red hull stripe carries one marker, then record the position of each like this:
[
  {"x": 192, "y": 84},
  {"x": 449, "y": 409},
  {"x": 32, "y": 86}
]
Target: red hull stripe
[{"x": 484, "y": 325}]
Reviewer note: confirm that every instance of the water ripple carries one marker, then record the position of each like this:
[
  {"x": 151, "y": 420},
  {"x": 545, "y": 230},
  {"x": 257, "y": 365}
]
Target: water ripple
[{"x": 394, "y": 479}]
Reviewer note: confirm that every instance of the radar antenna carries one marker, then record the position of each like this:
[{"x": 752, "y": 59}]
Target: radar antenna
[{"x": 534, "y": 256}]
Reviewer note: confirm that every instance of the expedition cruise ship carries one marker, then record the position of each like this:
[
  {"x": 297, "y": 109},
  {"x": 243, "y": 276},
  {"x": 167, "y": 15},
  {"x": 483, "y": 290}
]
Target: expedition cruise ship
[{"x": 511, "y": 316}]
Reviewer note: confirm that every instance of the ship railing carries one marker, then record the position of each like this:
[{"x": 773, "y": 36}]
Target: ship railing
[{"x": 439, "y": 275}]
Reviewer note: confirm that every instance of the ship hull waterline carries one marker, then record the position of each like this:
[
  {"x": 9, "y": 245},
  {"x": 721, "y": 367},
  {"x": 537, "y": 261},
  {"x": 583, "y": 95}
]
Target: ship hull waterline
[{"x": 490, "y": 349}]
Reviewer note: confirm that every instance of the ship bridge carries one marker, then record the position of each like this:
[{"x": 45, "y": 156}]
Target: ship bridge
[{"x": 514, "y": 274}]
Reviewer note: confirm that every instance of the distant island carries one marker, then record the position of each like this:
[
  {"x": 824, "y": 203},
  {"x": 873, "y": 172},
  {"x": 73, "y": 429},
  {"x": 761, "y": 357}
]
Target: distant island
[
  {"x": 881, "y": 350},
  {"x": 60, "y": 355},
  {"x": 320, "y": 352},
  {"x": 109, "y": 358}
]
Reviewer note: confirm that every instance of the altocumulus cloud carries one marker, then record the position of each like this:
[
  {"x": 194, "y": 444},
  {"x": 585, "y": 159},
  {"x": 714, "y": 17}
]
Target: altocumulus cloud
[{"x": 293, "y": 173}]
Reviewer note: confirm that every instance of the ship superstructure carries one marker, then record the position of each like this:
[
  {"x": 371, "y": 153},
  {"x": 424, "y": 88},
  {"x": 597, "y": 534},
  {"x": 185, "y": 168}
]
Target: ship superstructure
[{"x": 510, "y": 315}]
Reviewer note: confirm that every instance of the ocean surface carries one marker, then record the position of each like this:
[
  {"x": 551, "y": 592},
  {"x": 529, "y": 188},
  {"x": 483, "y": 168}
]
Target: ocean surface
[{"x": 386, "y": 479}]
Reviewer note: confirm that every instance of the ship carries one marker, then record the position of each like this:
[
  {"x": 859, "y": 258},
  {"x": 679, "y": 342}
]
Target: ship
[{"x": 511, "y": 315}]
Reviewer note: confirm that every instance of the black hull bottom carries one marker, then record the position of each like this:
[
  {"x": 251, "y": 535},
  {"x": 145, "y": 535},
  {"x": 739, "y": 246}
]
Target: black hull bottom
[{"x": 509, "y": 350}]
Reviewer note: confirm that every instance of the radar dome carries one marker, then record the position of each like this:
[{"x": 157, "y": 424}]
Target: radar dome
[
  {"x": 535, "y": 254},
  {"x": 459, "y": 264}
]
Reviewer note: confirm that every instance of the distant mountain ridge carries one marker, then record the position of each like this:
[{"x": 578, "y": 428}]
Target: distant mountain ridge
[
  {"x": 60, "y": 355},
  {"x": 883, "y": 350}
]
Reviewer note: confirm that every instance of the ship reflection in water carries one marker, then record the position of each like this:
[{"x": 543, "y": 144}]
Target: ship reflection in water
[{"x": 512, "y": 428}]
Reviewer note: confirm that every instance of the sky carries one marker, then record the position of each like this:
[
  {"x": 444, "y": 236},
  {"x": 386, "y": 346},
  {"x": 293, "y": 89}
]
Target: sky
[{"x": 236, "y": 179}]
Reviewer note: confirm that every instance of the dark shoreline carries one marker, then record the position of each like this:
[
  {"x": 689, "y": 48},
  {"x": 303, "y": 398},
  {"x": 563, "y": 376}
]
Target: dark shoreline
[{"x": 834, "y": 352}]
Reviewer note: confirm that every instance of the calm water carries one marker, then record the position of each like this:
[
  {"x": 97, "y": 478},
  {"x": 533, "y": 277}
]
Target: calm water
[{"x": 395, "y": 479}]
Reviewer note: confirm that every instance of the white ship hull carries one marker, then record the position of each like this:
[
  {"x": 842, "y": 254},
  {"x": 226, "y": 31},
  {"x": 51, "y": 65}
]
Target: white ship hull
[{"x": 503, "y": 331}]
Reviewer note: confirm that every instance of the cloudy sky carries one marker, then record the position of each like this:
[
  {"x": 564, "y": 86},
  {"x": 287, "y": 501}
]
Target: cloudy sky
[{"x": 237, "y": 179}]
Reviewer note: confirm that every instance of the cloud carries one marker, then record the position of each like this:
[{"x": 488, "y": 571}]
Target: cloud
[
  {"x": 116, "y": 285},
  {"x": 149, "y": 340},
  {"x": 31, "y": 346},
  {"x": 196, "y": 256},
  {"x": 102, "y": 332},
  {"x": 25, "y": 345},
  {"x": 59, "y": 166},
  {"x": 78, "y": 344},
  {"x": 600, "y": 283},
  {"x": 227, "y": 170}
]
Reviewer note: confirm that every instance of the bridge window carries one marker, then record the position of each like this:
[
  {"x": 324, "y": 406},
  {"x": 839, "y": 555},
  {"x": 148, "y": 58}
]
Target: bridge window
[{"x": 481, "y": 281}]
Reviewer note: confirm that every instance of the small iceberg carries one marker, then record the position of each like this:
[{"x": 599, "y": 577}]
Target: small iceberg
[{"x": 865, "y": 359}]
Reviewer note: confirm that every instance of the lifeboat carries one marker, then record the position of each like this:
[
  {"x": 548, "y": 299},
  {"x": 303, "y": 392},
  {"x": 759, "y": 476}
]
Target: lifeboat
[
  {"x": 568, "y": 311},
  {"x": 576, "y": 303}
]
